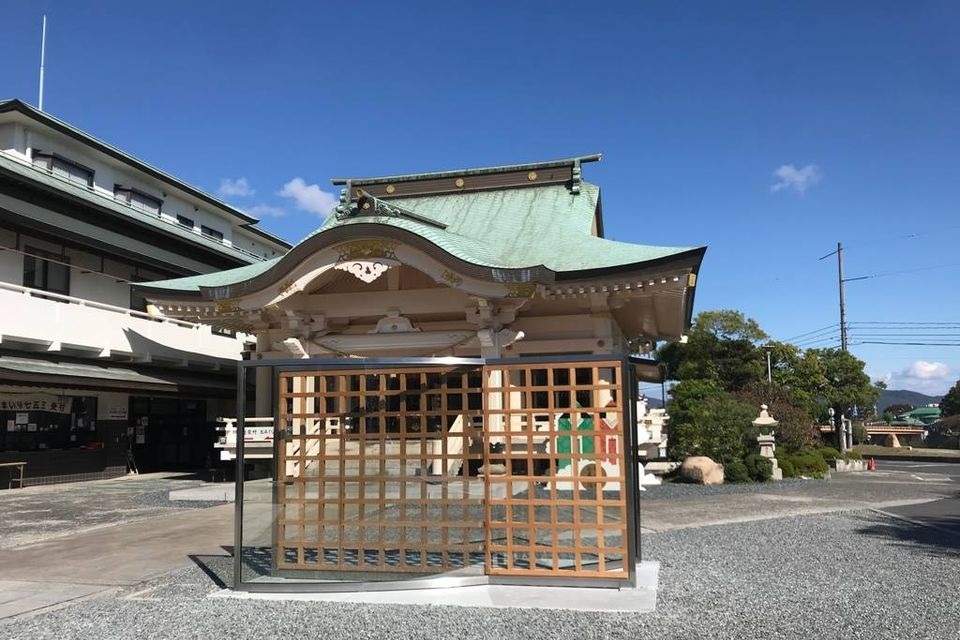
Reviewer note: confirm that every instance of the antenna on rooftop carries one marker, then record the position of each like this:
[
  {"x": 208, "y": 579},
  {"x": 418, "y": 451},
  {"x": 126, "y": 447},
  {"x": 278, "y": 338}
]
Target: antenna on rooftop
[{"x": 43, "y": 48}]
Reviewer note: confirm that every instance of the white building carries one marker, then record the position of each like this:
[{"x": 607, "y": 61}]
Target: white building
[{"x": 85, "y": 372}]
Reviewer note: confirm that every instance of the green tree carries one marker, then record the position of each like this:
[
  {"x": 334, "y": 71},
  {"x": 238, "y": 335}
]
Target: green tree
[
  {"x": 800, "y": 372},
  {"x": 950, "y": 404},
  {"x": 847, "y": 384},
  {"x": 720, "y": 347},
  {"x": 796, "y": 429},
  {"x": 898, "y": 409},
  {"x": 706, "y": 421},
  {"x": 727, "y": 324}
]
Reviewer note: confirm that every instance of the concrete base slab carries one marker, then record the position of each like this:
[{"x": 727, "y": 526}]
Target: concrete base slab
[
  {"x": 221, "y": 492},
  {"x": 19, "y": 597},
  {"x": 640, "y": 599}
]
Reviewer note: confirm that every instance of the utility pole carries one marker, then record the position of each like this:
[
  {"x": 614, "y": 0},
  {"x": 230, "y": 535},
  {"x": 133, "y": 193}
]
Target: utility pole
[
  {"x": 840, "y": 283},
  {"x": 843, "y": 307}
]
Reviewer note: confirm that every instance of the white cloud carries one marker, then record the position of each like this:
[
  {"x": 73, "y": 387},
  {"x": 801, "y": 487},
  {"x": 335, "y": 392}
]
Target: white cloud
[
  {"x": 932, "y": 378},
  {"x": 238, "y": 188},
  {"x": 265, "y": 211},
  {"x": 309, "y": 197},
  {"x": 799, "y": 180}
]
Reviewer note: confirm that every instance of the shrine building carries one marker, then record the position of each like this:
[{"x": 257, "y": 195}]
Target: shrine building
[{"x": 447, "y": 364}]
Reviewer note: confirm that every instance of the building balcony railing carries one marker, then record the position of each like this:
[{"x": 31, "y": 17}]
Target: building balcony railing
[
  {"x": 36, "y": 320},
  {"x": 95, "y": 194}
]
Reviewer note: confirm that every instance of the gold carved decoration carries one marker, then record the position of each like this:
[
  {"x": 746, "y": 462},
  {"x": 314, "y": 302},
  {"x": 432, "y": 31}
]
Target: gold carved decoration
[
  {"x": 286, "y": 285},
  {"x": 459, "y": 182},
  {"x": 521, "y": 290},
  {"x": 226, "y": 306},
  {"x": 451, "y": 278},
  {"x": 532, "y": 176},
  {"x": 367, "y": 249},
  {"x": 390, "y": 188}
]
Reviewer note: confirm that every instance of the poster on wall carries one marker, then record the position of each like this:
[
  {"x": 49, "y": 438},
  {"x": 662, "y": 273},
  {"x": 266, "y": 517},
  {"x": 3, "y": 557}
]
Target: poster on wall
[
  {"x": 23, "y": 418},
  {"x": 11, "y": 425},
  {"x": 32, "y": 426}
]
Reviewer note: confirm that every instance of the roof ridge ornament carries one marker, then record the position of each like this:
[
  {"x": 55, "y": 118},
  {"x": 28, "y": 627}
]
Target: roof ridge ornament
[{"x": 366, "y": 204}]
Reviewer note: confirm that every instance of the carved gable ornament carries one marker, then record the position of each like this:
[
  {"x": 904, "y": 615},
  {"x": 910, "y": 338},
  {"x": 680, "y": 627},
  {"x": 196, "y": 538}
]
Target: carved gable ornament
[
  {"x": 367, "y": 270},
  {"x": 366, "y": 260}
]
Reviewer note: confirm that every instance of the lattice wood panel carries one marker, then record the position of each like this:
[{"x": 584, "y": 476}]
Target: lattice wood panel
[
  {"x": 375, "y": 470},
  {"x": 556, "y": 499}
]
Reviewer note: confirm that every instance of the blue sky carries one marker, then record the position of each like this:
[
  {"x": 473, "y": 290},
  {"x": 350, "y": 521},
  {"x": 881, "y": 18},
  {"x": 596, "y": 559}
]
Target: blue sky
[{"x": 768, "y": 131}]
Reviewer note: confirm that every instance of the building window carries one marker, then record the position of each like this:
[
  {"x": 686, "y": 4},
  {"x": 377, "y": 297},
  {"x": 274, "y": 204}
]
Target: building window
[
  {"x": 185, "y": 221},
  {"x": 211, "y": 233},
  {"x": 63, "y": 168},
  {"x": 137, "y": 199},
  {"x": 46, "y": 271}
]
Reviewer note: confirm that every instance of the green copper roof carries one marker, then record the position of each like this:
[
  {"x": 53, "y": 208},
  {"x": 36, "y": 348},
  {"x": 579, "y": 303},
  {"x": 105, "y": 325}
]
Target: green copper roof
[
  {"x": 217, "y": 279},
  {"x": 544, "y": 226},
  {"x": 507, "y": 228}
]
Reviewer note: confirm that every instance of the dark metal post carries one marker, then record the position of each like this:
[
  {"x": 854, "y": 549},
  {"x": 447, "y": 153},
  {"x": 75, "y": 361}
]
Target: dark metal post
[
  {"x": 238, "y": 478},
  {"x": 632, "y": 461}
]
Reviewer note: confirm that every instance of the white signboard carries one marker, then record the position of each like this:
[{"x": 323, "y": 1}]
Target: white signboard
[
  {"x": 35, "y": 402},
  {"x": 112, "y": 406}
]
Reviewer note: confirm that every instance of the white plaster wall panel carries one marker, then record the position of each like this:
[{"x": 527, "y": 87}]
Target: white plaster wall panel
[{"x": 99, "y": 288}]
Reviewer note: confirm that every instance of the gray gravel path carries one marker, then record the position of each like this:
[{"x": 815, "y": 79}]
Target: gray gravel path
[{"x": 842, "y": 575}]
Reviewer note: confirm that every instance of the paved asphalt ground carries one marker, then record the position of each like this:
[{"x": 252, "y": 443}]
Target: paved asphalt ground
[{"x": 872, "y": 555}]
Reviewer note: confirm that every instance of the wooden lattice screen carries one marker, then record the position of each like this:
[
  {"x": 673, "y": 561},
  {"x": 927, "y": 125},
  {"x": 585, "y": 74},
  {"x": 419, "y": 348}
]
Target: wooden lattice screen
[
  {"x": 557, "y": 504},
  {"x": 375, "y": 470},
  {"x": 517, "y": 468}
]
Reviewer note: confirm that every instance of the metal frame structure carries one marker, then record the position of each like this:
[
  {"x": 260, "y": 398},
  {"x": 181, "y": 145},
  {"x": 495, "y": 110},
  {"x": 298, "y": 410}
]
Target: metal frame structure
[{"x": 508, "y": 459}]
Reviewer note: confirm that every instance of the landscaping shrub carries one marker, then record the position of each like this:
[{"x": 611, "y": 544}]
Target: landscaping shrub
[
  {"x": 809, "y": 463},
  {"x": 736, "y": 471},
  {"x": 786, "y": 466},
  {"x": 759, "y": 468},
  {"x": 853, "y": 455},
  {"x": 829, "y": 453}
]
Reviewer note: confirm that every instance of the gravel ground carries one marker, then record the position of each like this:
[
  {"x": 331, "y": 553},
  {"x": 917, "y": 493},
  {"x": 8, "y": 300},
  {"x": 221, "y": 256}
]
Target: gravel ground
[
  {"x": 161, "y": 499},
  {"x": 672, "y": 490},
  {"x": 842, "y": 575}
]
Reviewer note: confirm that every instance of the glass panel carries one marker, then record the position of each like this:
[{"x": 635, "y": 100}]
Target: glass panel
[
  {"x": 58, "y": 278},
  {"x": 389, "y": 473}
]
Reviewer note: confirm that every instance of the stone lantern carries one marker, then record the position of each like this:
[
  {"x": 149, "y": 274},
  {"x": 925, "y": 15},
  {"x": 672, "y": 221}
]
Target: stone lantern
[{"x": 765, "y": 424}]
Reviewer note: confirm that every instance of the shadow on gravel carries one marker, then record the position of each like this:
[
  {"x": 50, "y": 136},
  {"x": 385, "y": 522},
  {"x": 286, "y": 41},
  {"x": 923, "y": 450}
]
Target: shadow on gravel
[
  {"x": 936, "y": 536},
  {"x": 218, "y": 568}
]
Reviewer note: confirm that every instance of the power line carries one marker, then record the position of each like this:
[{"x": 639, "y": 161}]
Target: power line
[
  {"x": 911, "y": 344},
  {"x": 884, "y": 274},
  {"x": 808, "y": 333},
  {"x": 904, "y": 323}
]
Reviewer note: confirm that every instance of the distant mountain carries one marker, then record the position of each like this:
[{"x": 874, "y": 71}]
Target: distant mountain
[
  {"x": 654, "y": 403},
  {"x": 903, "y": 396}
]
